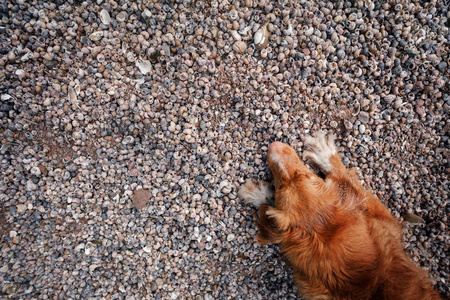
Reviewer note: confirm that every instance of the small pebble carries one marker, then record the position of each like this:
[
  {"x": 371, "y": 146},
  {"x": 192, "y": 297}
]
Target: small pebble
[
  {"x": 362, "y": 129},
  {"x": 21, "y": 208},
  {"x": 364, "y": 117},
  {"x": 231, "y": 237}
]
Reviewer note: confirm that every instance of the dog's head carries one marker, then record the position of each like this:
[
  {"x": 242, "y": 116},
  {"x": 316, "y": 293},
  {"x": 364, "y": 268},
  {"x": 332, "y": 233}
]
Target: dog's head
[
  {"x": 298, "y": 192},
  {"x": 289, "y": 175},
  {"x": 284, "y": 164}
]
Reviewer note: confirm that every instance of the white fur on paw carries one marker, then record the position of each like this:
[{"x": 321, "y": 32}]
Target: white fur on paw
[
  {"x": 256, "y": 192},
  {"x": 321, "y": 147}
]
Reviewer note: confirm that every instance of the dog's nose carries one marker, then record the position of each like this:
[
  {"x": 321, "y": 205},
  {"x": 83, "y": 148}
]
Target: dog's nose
[{"x": 275, "y": 146}]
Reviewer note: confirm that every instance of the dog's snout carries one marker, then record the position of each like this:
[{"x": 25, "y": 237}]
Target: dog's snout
[{"x": 275, "y": 146}]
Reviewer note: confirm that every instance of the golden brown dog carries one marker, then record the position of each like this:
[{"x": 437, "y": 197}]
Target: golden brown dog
[{"x": 340, "y": 239}]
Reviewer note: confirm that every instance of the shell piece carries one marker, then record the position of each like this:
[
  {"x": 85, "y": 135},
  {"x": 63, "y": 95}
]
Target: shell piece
[
  {"x": 288, "y": 30},
  {"x": 412, "y": 218},
  {"x": 141, "y": 198},
  {"x": 245, "y": 30},
  {"x": 165, "y": 49},
  {"x": 261, "y": 37},
  {"x": 116, "y": 75},
  {"x": 124, "y": 47},
  {"x": 77, "y": 89},
  {"x": 308, "y": 31},
  {"x": 122, "y": 16},
  {"x": 235, "y": 35},
  {"x": 96, "y": 36},
  {"x": 27, "y": 56},
  {"x": 131, "y": 57},
  {"x": 20, "y": 73},
  {"x": 104, "y": 17},
  {"x": 5, "y": 97},
  {"x": 215, "y": 32},
  {"x": 72, "y": 95},
  {"x": 240, "y": 46},
  {"x": 146, "y": 13},
  {"x": 138, "y": 81},
  {"x": 144, "y": 66}
]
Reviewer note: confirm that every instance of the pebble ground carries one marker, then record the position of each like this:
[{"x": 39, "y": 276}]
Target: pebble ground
[{"x": 180, "y": 100}]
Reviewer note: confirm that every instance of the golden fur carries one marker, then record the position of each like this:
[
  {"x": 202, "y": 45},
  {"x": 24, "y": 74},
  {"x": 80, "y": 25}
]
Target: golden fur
[{"x": 341, "y": 241}]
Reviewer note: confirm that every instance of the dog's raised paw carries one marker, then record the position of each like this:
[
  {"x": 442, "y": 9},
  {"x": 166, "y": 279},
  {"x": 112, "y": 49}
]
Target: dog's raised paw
[
  {"x": 319, "y": 150},
  {"x": 256, "y": 192}
]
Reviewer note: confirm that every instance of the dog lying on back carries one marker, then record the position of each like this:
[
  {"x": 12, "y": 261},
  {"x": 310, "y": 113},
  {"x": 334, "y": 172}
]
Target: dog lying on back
[{"x": 341, "y": 241}]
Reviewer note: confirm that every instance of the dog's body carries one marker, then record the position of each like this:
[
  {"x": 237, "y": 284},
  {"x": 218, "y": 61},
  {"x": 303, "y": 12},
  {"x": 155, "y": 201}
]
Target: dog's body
[{"x": 340, "y": 239}]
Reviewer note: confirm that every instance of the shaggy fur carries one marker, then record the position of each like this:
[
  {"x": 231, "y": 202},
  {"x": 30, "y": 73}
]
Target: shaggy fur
[{"x": 340, "y": 239}]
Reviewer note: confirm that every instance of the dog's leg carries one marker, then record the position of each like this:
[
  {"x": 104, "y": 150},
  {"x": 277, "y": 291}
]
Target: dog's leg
[
  {"x": 311, "y": 290},
  {"x": 320, "y": 149},
  {"x": 256, "y": 192},
  {"x": 269, "y": 231},
  {"x": 322, "y": 152}
]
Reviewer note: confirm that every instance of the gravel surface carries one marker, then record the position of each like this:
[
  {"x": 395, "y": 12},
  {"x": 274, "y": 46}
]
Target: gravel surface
[{"x": 127, "y": 127}]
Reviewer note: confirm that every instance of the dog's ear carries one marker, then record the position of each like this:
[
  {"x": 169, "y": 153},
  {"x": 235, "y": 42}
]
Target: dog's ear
[
  {"x": 283, "y": 219},
  {"x": 269, "y": 232}
]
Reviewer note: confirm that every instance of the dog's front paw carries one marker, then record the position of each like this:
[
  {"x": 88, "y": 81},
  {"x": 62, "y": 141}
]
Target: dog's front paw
[
  {"x": 320, "y": 149},
  {"x": 256, "y": 192}
]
